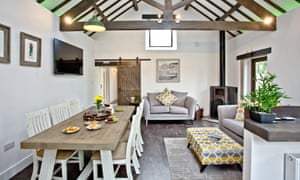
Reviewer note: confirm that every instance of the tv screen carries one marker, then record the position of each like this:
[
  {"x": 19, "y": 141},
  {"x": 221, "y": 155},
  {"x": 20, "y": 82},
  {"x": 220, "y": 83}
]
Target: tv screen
[{"x": 68, "y": 59}]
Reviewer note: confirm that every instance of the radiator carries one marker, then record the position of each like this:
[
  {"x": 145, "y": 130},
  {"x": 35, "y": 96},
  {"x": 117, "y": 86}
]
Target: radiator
[{"x": 291, "y": 166}]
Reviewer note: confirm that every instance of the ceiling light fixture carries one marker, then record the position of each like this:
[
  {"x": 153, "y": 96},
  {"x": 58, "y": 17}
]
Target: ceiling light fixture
[
  {"x": 94, "y": 25},
  {"x": 268, "y": 20},
  {"x": 68, "y": 20}
]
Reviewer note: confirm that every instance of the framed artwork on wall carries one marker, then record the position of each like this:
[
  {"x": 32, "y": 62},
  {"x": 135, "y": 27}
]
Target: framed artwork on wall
[
  {"x": 30, "y": 50},
  {"x": 168, "y": 70},
  {"x": 4, "y": 44}
]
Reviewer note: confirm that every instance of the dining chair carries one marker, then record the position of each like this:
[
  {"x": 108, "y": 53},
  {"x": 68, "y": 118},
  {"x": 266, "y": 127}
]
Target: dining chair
[
  {"x": 140, "y": 140},
  {"x": 74, "y": 106},
  {"x": 60, "y": 112},
  {"x": 124, "y": 154},
  {"x": 37, "y": 122}
]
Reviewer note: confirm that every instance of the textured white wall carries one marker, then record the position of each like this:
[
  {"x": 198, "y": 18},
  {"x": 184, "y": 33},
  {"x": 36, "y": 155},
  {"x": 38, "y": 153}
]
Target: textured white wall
[
  {"x": 198, "y": 53},
  {"x": 24, "y": 89},
  {"x": 284, "y": 59}
]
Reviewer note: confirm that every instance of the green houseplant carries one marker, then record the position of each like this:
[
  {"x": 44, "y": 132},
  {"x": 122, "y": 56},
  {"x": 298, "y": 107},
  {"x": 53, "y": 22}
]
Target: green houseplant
[{"x": 261, "y": 101}]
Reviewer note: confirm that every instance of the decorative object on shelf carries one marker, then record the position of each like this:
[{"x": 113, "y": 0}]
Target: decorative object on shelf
[
  {"x": 4, "y": 44},
  {"x": 264, "y": 98},
  {"x": 168, "y": 70},
  {"x": 99, "y": 102},
  {"x": 30, "y": 50}
]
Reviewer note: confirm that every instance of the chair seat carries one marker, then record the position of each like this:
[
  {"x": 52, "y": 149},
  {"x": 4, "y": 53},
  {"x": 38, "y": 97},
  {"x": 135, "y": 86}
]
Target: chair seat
[
  {"x": 61, "y": 154},
  {"x": 118, "y": 154}
]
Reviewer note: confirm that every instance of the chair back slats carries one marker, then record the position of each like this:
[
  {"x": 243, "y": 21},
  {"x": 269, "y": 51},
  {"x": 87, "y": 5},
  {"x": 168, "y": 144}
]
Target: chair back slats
[
  {"x": 60, "y": 112},
  {"x": 74, "y": 107},
  {"x": 38, "y": 121}
]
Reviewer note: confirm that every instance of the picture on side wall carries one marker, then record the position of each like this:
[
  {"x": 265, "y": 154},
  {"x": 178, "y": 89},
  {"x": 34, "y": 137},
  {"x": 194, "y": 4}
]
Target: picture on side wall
[
  {"x": 168, "y": 70},
  {"x": 4, "y": 44},
  {"x": 30, "y": 50}
]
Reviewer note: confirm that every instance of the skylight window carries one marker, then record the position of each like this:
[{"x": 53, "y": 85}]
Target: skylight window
[{"x": 161, "y": 40}]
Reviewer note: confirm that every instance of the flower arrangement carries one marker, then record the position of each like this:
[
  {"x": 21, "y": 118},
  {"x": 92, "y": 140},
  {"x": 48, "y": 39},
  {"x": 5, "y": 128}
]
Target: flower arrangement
[{"x": 98, "y": 101}]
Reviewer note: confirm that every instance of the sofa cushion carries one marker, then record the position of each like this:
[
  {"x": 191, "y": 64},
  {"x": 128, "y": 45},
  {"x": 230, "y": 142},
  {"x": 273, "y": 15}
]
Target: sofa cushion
[
  {"x": 159, "y": 109},
  {"x": 178, "y": 110},
  {"x": 181, "y": 96},
  {"x": 152, "y": 99},
  {"x": 235, "y": 126},
  {"x": 166, "y": 98}
]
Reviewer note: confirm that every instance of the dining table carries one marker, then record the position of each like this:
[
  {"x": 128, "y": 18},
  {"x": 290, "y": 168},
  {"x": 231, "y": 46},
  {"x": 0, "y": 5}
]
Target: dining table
[{"x": 104, "y": 139}]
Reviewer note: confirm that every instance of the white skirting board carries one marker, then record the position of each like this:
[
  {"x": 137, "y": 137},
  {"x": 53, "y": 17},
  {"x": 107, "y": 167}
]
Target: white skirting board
[{"x": 16, "y": 168}]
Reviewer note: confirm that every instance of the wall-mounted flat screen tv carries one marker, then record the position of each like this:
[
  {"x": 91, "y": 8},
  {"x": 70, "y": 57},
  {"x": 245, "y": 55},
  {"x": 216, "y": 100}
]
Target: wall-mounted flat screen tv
[{"x": 68, "y": 59}]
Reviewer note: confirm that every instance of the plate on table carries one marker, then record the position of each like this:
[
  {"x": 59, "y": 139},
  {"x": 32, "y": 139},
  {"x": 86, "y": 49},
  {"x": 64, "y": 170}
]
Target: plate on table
[
  {"x": 287, "y": 118},
  {"x": 94, "y": 126},
  {"x": 71, "y": 129}
]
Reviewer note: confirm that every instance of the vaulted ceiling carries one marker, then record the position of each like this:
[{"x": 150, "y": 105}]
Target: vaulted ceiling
[{"x": 233, "y": 16}]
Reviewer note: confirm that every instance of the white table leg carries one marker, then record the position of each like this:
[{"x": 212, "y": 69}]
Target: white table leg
[
  {"x": 48, "y": 164},
  {"x": 86, "y": 171},
  {"x": 107, "y": 165}
]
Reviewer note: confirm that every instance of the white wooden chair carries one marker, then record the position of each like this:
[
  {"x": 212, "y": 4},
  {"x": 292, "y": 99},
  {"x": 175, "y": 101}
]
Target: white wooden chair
[
  {"x": 74, "y": 106},
  {"x": 60, "y": 112},
  {"x": 124, "y": 154},
  {"x": 140, "y": 141},
  {"x": 37, "y": 122}
]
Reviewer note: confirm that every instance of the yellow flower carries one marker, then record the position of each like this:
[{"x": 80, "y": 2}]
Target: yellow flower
[{"x": 98, "y": 99}]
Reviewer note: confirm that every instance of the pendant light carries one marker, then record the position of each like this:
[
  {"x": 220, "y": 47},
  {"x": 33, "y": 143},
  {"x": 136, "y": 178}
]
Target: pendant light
[{"x": 94, "y": 25}]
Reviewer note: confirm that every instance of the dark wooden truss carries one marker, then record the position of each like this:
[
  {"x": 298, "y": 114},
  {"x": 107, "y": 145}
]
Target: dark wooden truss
[{"x": 109, "y": 11}]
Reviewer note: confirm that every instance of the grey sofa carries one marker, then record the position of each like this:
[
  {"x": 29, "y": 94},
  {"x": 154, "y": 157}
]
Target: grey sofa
[
  {"x": 235, "y": 128},
  {"x": 228, "y": 124},
  {"x": 182, "y": 109}
]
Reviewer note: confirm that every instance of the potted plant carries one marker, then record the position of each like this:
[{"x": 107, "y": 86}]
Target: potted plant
[{"x": 261, "y": 101}]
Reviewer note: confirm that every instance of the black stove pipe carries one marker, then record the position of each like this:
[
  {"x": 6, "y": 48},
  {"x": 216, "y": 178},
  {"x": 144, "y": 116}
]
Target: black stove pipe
[{"x": 222, "y": 58}]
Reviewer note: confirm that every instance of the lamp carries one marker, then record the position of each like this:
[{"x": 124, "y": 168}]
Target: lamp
[{"x": 94, "y": 25}]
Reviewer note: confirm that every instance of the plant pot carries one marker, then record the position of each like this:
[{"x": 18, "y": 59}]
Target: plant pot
[{"x": 262, "y": 117}]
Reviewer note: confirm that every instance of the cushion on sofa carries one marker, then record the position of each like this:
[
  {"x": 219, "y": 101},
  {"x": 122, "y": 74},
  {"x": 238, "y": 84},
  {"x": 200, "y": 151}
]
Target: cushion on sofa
[
  {"x": 181, "y": 96},
  {"x": 166, "y": 98},
  {"x": 152, "y": 99},
  {"x": 234, "y": 125},
  {"x": 159, "y": 109},
  {"x": 178, "y": 110}
]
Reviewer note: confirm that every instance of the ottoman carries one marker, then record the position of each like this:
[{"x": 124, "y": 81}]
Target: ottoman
[{"x": 213, "y": 147}]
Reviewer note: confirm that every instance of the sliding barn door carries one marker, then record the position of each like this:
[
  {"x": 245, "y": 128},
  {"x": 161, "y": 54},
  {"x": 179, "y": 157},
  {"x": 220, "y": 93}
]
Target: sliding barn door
[{"x": 129, "y": 81}]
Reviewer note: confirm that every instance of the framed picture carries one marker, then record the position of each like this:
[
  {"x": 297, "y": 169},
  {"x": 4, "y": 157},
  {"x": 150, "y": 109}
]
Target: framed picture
[
  {"x": 4, "y": 44},
  {"x": 168, "y": 70},
  {"x": 30, "y": 50}
]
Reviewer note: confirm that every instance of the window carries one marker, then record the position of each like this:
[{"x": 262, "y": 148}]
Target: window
[
  {"x": 161, "y": 40},
  {"x": 258, "y": 66}
]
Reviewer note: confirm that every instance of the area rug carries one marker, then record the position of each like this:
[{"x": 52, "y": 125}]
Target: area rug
[{"x": 184, "y": 165}]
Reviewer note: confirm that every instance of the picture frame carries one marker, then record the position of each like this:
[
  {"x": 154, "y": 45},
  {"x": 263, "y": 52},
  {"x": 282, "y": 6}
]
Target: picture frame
[
  {"x": 4, "y": 44},
  {"x": 168, "y": 70},
  {"x": 30, "y": 50}
]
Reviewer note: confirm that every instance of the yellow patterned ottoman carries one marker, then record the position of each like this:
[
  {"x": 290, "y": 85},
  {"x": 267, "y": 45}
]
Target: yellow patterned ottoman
[{"x": 213, "y": 147}]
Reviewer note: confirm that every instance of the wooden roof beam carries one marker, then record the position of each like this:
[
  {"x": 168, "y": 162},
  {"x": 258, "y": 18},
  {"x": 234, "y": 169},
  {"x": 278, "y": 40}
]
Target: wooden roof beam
[
  {"x": 183, "y": 25},
  {"x": 155, "y": 4},
  {"x": 257, "y": 9},
  {"x": 274, "y": 5},
  {"x": 181, "y": 4},
  {"x": 228, "y": 13},
  {"x": 100, "y": 13},
  {"x": 135, "y": 6}
]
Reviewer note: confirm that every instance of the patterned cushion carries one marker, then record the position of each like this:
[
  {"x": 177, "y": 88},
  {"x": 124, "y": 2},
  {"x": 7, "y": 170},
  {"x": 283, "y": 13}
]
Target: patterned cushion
[
  {"x": 166, "y": 98},
  {"x": 240, "y": 113}
]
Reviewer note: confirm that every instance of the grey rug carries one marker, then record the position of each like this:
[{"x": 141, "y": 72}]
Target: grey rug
[{"x": 184, "y": 165}]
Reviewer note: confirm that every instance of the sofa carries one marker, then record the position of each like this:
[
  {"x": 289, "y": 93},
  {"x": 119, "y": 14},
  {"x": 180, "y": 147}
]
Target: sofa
[
  {"x": 235, "y": 128},
  {"x": 182, "y": 109}
]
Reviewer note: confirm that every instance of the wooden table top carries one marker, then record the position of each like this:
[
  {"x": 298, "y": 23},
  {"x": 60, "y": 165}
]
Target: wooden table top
[{"x": 105, "y": 138}]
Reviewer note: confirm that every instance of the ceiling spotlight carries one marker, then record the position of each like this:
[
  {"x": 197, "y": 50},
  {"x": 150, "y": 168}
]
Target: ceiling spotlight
[
  {"x": 68, "y": 20},
  {"x": 177, "y": 18},
  {"x": 268, "y": 20}
]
